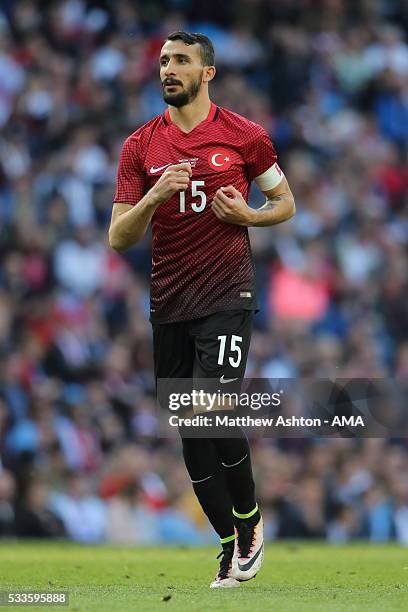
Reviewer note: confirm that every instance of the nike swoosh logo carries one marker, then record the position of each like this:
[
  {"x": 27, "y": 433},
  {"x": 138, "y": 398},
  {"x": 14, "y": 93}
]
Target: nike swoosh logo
[
  {"x": 153, "y": 170},
  {"x": 227, "y": 380},
  {"x": 247, "y": 566}
]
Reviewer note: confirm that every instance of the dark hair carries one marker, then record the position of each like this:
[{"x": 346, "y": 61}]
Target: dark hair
[{"x": 192, "y": 38}]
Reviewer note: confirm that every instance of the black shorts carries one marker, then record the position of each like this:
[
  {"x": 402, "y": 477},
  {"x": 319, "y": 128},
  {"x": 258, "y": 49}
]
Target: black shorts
[{"x": 215, "y": 346}]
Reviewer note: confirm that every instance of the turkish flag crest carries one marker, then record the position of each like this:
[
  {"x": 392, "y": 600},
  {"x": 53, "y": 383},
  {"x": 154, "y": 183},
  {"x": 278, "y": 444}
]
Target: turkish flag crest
[{"x": 220, "y": 159}]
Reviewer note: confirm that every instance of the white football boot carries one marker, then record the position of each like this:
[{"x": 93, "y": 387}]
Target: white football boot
[
  {"x": 248, "y": 551},
  {"x": 224, "y": 578}
]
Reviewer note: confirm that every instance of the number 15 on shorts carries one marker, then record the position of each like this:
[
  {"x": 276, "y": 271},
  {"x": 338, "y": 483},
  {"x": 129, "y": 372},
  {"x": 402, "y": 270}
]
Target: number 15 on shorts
[{"x": 234, "y": 350}]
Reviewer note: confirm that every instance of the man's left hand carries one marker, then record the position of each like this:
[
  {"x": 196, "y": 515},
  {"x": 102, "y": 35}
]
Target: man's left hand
[{"x": 230, "y": 207}]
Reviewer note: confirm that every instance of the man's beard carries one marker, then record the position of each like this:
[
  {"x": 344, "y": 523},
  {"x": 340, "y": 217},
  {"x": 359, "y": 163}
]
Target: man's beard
[{"x": 184, "y": 97}]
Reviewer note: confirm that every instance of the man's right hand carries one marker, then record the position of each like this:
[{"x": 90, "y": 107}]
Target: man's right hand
[{"x": 174, "y": 179}]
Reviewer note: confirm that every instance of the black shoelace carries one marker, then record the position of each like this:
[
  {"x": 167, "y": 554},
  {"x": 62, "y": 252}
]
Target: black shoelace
[
  {"x": 225, "y": 562},
  {"x": 245, "y": 539}
]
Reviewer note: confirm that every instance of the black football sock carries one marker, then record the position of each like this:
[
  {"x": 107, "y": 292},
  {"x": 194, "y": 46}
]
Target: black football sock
[
  {"x": 249, "y": 518},
  {"x": 209, "y": 485},
  {"x": 229, "y": 545},
  {"x": 234, "y": 454},
  {"x": 242, "y": 489}
]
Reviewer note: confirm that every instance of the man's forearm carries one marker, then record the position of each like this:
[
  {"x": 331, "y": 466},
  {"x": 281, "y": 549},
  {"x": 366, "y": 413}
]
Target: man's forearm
[
  {"x": 131, "y": 226},
  {"x": 277, "y": 209}
]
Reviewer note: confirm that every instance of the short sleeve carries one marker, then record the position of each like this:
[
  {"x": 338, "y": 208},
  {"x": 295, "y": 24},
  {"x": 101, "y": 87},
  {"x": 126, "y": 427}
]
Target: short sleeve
[
  {"x": 130, "y": 182},
  {"x": 259, "y": 152}
]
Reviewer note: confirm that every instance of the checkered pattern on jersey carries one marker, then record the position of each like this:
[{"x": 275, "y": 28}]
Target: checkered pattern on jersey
[{"x": 200, "y": 265}]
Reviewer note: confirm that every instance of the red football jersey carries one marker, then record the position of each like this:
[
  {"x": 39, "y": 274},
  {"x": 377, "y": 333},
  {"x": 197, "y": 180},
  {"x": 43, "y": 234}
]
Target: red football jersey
[{"x": 200, "y": 265}]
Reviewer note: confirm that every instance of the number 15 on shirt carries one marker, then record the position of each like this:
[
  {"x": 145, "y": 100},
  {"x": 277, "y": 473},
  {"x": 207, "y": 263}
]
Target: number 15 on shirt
[{"x": 198, "y": 205}]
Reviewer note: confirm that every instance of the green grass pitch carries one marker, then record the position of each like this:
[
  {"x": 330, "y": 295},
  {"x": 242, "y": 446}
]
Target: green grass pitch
[{"x": 295, "y": 577}]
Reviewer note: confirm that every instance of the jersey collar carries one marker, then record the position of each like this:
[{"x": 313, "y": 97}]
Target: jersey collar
[{"x": 212, "y": 115}]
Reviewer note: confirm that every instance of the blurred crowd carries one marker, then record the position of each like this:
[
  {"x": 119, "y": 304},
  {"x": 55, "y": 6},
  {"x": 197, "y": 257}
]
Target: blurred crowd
[{"x": 328, "y": 79}]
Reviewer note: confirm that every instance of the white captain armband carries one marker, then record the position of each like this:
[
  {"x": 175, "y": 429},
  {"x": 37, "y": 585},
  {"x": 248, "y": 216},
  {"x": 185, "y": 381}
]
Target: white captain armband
[{"x": 269, "y": 179}]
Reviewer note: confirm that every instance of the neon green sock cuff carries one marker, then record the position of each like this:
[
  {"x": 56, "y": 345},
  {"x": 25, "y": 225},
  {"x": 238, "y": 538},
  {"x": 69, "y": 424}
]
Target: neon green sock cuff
[
  {"x": 245, "y": 516},
  {"x": 228, "y": 539}
]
